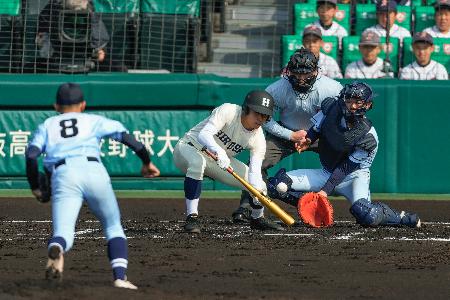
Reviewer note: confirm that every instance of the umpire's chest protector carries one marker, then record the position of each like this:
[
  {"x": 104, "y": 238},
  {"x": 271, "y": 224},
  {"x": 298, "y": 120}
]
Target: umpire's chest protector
[{"x": 336, "y": 142}]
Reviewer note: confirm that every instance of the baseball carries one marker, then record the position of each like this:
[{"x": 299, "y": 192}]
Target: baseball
[{"x": 282, "y": 187}]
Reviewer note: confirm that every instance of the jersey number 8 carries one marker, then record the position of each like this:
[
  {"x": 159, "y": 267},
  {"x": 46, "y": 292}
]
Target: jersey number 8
[{"x": 68, "y": 128}]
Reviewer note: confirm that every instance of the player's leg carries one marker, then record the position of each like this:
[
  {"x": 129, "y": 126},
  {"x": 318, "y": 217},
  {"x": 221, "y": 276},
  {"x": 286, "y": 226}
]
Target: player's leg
[
  {"x": 192, "y": 163},
  {"x": 67, "y": 199},
  {"x": 102, "y": 202},
  {"x": 290, "y": 186},
  {"x": 256, "y": 210},
  {"x": 276, "y": 150},
  {"x": 355, "y": 188}
]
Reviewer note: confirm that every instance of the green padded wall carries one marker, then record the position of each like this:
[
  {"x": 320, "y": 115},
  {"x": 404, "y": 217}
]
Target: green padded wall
[
  {"x": 10, "y": 7},
  {"x": 289, "y": 43},
  {"x": 424, "y": 17},
  {"x": 305, "y": 14},
  {"x": 117, "y": 6},
  {"x": 441, "y": 52},
  {"x": 350, "y": 51},
  {"x": 366, "y": 17}
]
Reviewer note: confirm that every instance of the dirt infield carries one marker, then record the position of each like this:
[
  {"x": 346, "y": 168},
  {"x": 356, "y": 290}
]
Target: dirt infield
[{"x": 228, "y": 261}]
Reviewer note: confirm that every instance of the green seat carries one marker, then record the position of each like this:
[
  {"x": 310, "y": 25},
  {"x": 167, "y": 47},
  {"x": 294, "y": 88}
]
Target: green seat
[
  {"x": 424, "y": 16},
  {"x": 416, "y": 3},
  {"x": 290, "y": 43},
  {"x": 117, "y": 6},
  {"x": 441, "y": 52},
  {"x": 366, "y": 17},
  {"x": 10, "y": 36},
  {"x": 350, "y": 51},
  {"x": 305, "y": 14},
  {"x": 185, "y": 7}
]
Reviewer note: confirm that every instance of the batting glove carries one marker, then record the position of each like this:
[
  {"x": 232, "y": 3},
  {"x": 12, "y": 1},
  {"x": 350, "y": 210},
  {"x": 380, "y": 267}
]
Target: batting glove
[{"x": 223, "y": 161}]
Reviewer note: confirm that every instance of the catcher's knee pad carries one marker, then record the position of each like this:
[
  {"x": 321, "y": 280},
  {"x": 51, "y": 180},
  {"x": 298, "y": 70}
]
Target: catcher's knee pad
[{"x": 373, "y": 214}]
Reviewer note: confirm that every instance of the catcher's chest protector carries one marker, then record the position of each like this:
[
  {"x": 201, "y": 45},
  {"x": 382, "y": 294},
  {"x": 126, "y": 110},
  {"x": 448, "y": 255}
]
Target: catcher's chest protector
[{"x": 337, "y": 142}]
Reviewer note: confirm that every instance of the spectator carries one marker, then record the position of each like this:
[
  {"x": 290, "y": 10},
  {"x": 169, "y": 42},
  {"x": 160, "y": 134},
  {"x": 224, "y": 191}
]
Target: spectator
[
  {"x": 312, "y": 40},
  {"x": 71, "y": 37},
  {"x": 423, "y": 68},
  {"x": 387, "y": 12},
  {"x": 442, "y": 19},
  {"x": 370, "y": 66},
  {"x": 326, "y": 9}
]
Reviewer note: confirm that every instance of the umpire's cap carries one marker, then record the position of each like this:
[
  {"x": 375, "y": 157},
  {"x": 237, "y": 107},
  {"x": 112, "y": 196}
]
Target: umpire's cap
[
  {"x": 260, "y": 101},
  {"x": 69, "y": 93}
]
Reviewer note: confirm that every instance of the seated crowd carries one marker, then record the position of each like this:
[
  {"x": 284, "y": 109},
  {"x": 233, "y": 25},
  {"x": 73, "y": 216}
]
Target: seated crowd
[{"x": 370, "y": 45}]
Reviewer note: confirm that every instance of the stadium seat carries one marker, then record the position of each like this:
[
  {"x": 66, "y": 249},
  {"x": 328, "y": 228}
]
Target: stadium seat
[
  {"x": 424, "y": 17},
  {"x": 441, "y": 52},
  {"x": 350, "y": 51},
  {"x": 366, "y": 17},
  {"x": 169, "y": 34},
  {"x": 10, "y": 36},
  {"x": 120, "y": 19},
  {"x": 290, "y": 43},
  {"x": 305, "y": 14}
]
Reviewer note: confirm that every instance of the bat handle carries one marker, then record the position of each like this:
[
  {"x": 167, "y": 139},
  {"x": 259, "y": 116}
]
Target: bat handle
[{"x": 213, "y": 156}]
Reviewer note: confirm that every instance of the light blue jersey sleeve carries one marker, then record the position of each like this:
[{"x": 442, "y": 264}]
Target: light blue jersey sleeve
[
  {"x": 366, "y": 150},
  {"x": 109, "y": 128},
  {"x": 39, "y": 137}
]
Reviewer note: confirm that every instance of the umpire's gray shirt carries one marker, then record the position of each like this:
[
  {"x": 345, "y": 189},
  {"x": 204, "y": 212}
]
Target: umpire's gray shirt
[{"x": 297, "y": 109}]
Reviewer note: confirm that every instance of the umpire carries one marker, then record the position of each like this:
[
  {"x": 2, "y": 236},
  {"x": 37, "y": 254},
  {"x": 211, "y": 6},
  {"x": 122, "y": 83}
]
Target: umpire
[{"x": 298, "y": 96}]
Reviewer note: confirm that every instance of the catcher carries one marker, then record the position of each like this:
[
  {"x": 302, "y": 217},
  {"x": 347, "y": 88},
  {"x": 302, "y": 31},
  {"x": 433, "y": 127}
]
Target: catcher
[{"x": 348, "y": 144}]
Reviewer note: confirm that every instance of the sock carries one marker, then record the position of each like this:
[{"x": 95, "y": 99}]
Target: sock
[
  {"x": 192, "y": 190},
  {"x": 57, "y": 241},
  {"x": 192, "y": 206},
  {"x": 257, "y": 213},
  {"x": 118, "y": 257}
]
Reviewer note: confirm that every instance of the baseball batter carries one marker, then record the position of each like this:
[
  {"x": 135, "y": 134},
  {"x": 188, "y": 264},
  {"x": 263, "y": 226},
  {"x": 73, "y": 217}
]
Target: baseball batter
[
  {"x": 228, "y": 131},
  {"x": 298, "y": 96},
  {"x": 348, "y": 144},
  {"x": 423, "y": 68},
  {"x": 70, "y": 142}
]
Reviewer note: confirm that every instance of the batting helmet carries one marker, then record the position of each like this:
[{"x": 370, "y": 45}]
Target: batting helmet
[
  {"x": 302, "y": 61},
  {"x": 259, "y": 101},
  {"x": 356, "y": 90}
]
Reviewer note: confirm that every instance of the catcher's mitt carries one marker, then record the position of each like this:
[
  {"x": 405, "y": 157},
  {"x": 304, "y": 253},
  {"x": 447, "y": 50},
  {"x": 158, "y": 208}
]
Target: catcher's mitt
[
  {"x": 315, "y": 210},
  {"x": 44, "y": 187}
]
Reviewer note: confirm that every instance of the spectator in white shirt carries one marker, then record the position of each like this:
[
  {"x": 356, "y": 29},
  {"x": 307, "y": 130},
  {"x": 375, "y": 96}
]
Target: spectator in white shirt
[
  {"x": 423, "y": 68},
  {"x": 312, "y": 40},
  {"x": 370, "y": 66},
  {"x": 442, "y": 19}
]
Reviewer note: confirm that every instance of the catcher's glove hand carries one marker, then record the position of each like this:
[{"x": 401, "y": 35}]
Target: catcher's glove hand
[
  {"x": 45, "y": 188},
  {"x": 315, "y": 210}
]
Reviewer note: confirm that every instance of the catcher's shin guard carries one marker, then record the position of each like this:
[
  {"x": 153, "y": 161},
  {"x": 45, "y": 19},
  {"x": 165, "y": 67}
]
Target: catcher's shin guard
[{"x": 374, "y": 214}]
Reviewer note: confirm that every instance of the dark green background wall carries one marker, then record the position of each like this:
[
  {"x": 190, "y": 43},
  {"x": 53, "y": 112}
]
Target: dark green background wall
[{"x": 411, "y": 118}]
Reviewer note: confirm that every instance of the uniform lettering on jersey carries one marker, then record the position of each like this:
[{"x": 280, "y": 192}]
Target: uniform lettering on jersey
[{"x": 225, "y": 139}]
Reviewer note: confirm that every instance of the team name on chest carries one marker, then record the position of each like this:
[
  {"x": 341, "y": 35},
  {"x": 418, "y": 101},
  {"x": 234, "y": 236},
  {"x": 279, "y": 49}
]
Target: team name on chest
[{"x": 229, "y": 145}]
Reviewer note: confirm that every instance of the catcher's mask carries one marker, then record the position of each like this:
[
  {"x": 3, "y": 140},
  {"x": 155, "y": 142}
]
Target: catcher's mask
[
  {"x": 260, "y": 101},
  {"x": 302, "y": 61},
  {"x": 356, "y": 92}
]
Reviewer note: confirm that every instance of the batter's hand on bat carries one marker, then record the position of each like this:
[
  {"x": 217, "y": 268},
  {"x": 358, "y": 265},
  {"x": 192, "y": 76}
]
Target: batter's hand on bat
[
  {"x": 150, "y": 171},
  {"x": 302, "y": 145},
  {"x": 297, "y": 136}
]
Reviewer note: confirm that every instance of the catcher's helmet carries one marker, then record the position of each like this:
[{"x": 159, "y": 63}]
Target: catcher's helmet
[
  {"x": 356, "y": 90},
  {"x": 302, "y": 61},
  {"x": 259, "y": 101}
]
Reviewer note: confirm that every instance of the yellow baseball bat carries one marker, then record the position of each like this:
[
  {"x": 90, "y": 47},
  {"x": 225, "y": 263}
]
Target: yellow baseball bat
[{"x": 266, "y": 201}]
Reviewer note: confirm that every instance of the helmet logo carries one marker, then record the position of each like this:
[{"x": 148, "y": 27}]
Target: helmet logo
[{"x": 265, "y": 102}]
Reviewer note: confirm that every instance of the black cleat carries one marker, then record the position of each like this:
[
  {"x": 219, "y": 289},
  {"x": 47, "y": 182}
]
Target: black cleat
[
  {"x": 264, "y": 224},
  {"x": 241, "y": 215},
  {"x": 191, "y": 225},
  {"x": 410, "y": 219}
]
